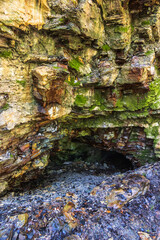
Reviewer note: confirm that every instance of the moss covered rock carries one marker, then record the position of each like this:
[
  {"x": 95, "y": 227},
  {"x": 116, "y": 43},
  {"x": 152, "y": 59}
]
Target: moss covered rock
[{"x": 77, "y": 71}]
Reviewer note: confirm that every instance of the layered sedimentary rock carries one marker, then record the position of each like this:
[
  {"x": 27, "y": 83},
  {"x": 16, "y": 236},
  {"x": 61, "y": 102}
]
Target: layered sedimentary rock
[{"x": 85, "y": 71}]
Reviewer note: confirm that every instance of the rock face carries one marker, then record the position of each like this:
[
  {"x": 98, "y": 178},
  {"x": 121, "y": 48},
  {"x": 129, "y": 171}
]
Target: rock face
[{"x": 84, "y": 71}]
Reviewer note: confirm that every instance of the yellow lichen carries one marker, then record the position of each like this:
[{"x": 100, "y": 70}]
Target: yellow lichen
[{"x": 35, "y": 12}]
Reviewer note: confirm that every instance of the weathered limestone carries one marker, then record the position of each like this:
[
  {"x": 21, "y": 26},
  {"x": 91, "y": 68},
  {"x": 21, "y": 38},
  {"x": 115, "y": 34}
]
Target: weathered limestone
[
  {"x": 77, "y": 70},
  {"x": 139, "y": 70},
  {"x": 117, "y": 24},
  {"x": 20, "y": 14},
  {"x": 90, "y": 21}
]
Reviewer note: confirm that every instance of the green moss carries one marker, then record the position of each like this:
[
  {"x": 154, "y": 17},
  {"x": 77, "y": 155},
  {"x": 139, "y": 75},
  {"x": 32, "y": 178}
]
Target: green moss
[
  {"x": 92, "y": 108},
  {"x": 123, "y": 29},
  {"x": 132, "y": 28},
  {"x": 119, "y": 105},
  {"x": 138, "y": 101},
  {"x": 21, "y": 82},
  {"x": 84, "y": 133},
  {"x": 150, "y": 100},
  {"x": 103, "y": 107},
  {"x": 153, "y": 97},
  {"x": 138, "y": 105},
  {"x": 99, "y": 108},
  {"x": 106, "y": 47},
  {"x": 75, "y": 63},
  {"x": 98, "y": 102},
  {"x": 5, "y": 107},
  {"x": 149, "y": 52},
  {"x": 94, "y": 121},
  {"x": 157, "y": 69},
  {"x": 134, "y": 102},
  {"x": 6, "y": 54},
  {"x": 145, "y": 23},
  {"x": 133, "y": 137},
  {"x": 80, "y": 100},
  {"x": 133, "y": 115},
  {"x": 73, "y": 82},
  {"x": 98, "y": 98},
  {"x": 44, "y": 159},
  {"x": 145, "y": 155},
  {"x": 152, "y": 132},
  {"x": 61, "y": 20},
  {"x": 130, "y": 102}
]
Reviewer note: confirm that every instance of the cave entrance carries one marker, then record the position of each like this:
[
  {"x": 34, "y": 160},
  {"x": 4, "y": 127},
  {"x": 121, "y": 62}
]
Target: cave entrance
[
  {"x": 78, "y": 156},
  {"x": 71, "y": 157}
]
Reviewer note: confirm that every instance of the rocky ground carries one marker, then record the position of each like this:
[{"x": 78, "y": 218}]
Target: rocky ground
[{"x": 84, "y": 202}]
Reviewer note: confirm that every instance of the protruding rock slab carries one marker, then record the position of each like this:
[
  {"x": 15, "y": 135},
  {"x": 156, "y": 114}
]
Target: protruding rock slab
[{"x": 117, "y": 195}]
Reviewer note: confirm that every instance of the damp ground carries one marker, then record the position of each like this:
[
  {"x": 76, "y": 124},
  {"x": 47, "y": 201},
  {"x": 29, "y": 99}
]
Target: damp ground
[{"x": 59, "y": 205}]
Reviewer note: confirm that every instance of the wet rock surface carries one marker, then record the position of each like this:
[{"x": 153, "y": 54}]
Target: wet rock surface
[
  {"x": 77, "y": 75},
  {"x": 77, "y": 70},
  {"x": 65, "y": 205}
]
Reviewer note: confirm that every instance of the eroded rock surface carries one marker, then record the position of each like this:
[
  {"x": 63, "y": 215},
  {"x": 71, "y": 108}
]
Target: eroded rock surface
[{"x": 85, "y": 71}]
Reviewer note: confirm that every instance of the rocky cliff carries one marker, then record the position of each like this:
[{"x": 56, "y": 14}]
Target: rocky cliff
[{"x": 77, "y": 71}]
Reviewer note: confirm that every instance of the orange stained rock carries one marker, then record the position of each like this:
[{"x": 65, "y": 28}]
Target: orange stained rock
[
  {"x": 34, "y": 146},
  {"x": 35, "y": 154},
  {"x": 25, "y": 147},
  {"x": 108, "y": 211}
]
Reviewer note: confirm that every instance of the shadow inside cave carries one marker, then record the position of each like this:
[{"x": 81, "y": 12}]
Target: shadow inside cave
[
  {"x": 77, "y": 154},
  {"x": 79, "y": 158}
]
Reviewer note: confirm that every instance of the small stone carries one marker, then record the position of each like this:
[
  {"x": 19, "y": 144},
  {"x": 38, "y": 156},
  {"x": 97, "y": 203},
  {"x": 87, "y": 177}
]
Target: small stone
[
  {"x": 21, "y": 237},
  {"x": 72, "y": 237},
  {"x": 15, "y": 236},
  {"x": 149, "y": 174},
  {"x": 3, "y": 187},
  {"x": 105, "y": 165},
  {"x": 3, "y": 99},
  {"x": 25, "y": 147},
  {"x": 157, "y": 215},
  {"x": 144, "y": 236},
  {"x": 23, "y": 218}
]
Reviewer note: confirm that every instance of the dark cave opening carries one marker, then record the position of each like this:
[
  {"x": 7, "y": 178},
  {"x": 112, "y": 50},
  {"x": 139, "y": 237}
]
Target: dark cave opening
[
  {"x": 78, "y": 156},
  {"x": 117, "y": 160}
]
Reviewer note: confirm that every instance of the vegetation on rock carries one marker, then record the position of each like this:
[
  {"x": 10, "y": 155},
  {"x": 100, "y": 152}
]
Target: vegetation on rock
[{"x": 82, "y": 70}]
